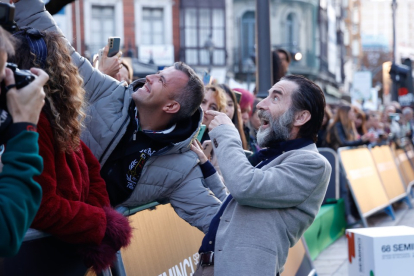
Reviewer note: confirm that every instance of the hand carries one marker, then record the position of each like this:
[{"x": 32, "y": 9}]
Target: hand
[
  {"x": 220, "y": 118},
  {"x": 26, "y": 103},
  {"x": 110, "y": 65},
  {"x": 368, "y": 137},
  {"x": 95, "y": 61},
  {"x": 197, "y": 148}
]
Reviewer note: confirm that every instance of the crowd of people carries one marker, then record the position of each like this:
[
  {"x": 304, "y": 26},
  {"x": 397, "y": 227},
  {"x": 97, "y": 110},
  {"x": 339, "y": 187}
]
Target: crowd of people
[{"x": 97, "y": 140}]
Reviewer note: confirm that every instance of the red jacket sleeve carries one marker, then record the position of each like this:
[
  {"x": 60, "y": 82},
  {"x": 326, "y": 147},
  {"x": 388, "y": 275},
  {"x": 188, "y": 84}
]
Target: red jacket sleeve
[
  {"x": 98, "y": 196},
  {"x": 72, "y": 221}
]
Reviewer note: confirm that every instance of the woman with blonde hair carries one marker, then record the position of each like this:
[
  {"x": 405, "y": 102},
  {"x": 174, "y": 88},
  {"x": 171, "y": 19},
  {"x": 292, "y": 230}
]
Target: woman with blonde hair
[
  {"x": 75, "y": 206},
  {"x": 360, "y": 121},
  {"x": 214, "y": 99},
  {"x": 341, "y": 133},
  {"x": 234, "y": 113}
]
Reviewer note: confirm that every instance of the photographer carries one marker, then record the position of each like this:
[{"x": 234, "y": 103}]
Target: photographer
[{"x": 20, "y": 195}]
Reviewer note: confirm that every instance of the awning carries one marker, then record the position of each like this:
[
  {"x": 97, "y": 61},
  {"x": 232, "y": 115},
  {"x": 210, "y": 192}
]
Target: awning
[{"x": 141, "y": 69}]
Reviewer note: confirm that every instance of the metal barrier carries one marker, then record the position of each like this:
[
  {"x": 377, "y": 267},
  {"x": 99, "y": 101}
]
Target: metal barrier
[{"x": 364, "y": 182}]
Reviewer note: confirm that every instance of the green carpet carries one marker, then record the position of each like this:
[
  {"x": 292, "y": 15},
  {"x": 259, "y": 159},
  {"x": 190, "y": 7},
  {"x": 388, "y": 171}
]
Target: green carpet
[{"x": 329, "y": 225}]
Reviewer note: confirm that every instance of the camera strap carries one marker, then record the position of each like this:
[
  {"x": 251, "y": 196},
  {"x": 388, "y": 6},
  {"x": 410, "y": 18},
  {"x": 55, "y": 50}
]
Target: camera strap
[
  {"x": 5, "y": 121},
  {"x": 8, "y": 87}
]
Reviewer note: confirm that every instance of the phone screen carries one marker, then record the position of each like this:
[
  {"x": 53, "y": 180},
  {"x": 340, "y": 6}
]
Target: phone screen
[
  {"x": 201, "y": 132},
  {"x": 238, "y": 96}
]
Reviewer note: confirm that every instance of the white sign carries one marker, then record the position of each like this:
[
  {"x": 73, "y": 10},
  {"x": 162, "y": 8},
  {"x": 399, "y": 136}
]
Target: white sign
[
  {"x": 161, "y": 55},
  {"x": 361, "y": 85},
  {"x": 380, "y": 251},
  {"x": 372, "y": 102}
]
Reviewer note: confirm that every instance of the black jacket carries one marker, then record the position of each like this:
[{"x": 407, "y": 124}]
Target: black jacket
[{"x": 339, "y": 139}]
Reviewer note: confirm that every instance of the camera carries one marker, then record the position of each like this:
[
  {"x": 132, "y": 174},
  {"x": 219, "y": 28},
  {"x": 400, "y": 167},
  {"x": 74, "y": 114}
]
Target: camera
[{"x": 22, "y": 78}]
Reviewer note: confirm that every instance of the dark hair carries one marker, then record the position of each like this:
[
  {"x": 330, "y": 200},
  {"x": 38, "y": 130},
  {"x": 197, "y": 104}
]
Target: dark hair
[
  {"x": 255, "y": 103},
  {"x": 342, "y": 118},
  {"x": 237, "y": 120},
  {"x": 277, "y": 72},
  {"x": 6, "y": 42},
  {"x": 308, "y": 96},
  {"x": 191, "y": 96},
  {"x": 286, "y": 53}
]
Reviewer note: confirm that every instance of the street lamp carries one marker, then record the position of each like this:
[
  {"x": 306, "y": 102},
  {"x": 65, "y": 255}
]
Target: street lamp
[
  {"x": 209, "y": 46},
  {"x": 298, "y": 56}
]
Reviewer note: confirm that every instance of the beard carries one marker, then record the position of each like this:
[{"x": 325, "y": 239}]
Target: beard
[{"x": 278, "y": 130}]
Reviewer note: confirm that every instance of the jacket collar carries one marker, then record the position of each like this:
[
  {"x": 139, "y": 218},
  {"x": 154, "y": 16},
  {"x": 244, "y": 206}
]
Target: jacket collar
[
  {"x": 184, "y": 145},
  {"x": 278, "y": 148}
]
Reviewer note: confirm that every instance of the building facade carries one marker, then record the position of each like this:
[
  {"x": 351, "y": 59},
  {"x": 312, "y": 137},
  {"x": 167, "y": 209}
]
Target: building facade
[
  {"x": 376, "y": 22},
  {"x": 352, "y": 42},
  {"x": 217, "y": 35}
]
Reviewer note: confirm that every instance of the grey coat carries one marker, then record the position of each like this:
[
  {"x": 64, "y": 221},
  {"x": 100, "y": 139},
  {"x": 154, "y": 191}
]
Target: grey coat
[
  {"x": 171, "y": 175},
  {"x": 271, "y": 206}
]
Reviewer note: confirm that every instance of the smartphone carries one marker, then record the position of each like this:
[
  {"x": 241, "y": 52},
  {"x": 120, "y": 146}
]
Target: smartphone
[
  {"x": 238, "y": 96},
  {"x": 201, "y": 132},
  {"x": 114, "y": 44},
  {"x": 206, "y": 78},
  {"x": 207, "y": 148}
]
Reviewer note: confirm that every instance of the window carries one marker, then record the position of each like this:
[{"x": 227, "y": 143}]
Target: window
[
  {"x": 152, "y": 26},
  {"x": 292, "y": 31},
  {"x": 203, "y": 23},
  {"x": 102, "y": 26},
  {"x": 248, "y": 37}
]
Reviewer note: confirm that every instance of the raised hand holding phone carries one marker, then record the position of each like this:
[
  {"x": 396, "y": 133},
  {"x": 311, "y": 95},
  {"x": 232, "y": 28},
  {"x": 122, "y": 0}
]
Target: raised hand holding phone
[
  {"x": 197, "y": 148},
  {"x": 109, "y": 65}
]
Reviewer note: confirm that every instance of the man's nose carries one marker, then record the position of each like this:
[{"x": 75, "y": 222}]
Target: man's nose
[
  {"x": 149, "y": 78},
  {"x": 261, "y": 104}
]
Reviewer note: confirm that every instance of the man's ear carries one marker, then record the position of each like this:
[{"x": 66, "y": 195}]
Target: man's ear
[
  {"x": 301, "y": 118},
  {"x": 171, "y": 107}
]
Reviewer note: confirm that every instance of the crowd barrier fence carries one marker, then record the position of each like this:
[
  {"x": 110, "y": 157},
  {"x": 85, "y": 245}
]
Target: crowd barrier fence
[{"x": 373, "y": 178}]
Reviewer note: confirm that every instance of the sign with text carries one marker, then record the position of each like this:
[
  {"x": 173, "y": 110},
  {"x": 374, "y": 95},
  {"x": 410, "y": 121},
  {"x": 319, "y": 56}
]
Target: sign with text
[{"x": 380, "y": 251}]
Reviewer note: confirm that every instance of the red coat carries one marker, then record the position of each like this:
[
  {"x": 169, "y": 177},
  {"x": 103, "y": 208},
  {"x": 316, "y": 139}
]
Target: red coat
[{"x": 73, "y": 192}]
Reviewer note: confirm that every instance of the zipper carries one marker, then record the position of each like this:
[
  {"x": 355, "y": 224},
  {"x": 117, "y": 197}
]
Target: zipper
[{"x": 113, "y": 139}]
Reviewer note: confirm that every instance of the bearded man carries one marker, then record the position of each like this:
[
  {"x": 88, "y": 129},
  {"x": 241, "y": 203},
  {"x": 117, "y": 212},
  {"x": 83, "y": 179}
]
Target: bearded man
[{"x": 271, "y": 205}]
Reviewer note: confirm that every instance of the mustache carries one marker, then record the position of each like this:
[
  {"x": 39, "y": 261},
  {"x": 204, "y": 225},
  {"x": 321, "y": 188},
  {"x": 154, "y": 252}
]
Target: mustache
[{"x": 264, "y": 115}]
